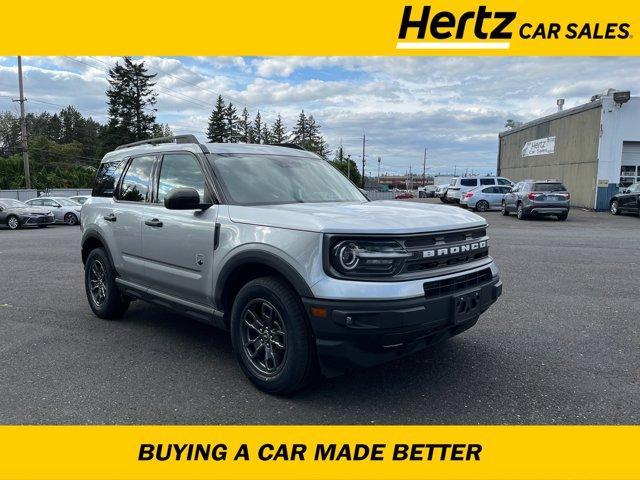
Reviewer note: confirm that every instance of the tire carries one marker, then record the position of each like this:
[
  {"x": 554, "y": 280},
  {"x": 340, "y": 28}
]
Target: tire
[
  {"x": 443, "y": 200},
  {"x": 422, "y": 195},
  {"x": 505, "y": 212},
  {"x": 520, "y": 212},
  {"x": 482, "y": 206},
  {"x": 614, "y": 208},
  {"x": 110, "y": 303},
  {"x": 71, "y": 219},
  {"x": 267, "y": 316},
  {"x": 563, "y": 216},
  {"x": 13, "y": 222}
]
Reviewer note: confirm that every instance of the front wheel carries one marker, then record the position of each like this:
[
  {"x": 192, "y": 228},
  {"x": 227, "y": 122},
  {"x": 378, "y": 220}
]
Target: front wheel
[
  {"x": 71, "y": 219},
  {"x": 271, "y": 337},
  {"x": 615, "y": 208},
  {"x": 482, "y": 206},
  {"x": 105, "y": 299},
  {"x": 504, "y": 210},
  {"x": 13, "y": 223}
]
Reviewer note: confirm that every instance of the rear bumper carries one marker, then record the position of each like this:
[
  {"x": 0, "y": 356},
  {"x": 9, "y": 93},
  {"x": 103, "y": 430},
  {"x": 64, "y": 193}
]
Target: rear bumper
[
  {"x": 546, "y": 209},
  {"x": 360, "y": 334}
]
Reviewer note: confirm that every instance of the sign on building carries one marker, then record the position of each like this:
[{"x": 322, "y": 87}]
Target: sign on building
[{"x": 541, "y": 146}]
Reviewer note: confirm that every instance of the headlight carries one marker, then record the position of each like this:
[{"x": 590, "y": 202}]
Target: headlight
[{"x": 367, "y": 257}]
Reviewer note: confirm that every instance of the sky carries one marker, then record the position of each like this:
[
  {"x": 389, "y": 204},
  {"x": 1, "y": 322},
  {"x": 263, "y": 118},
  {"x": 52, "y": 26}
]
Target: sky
[{"x": 452, "y": 106}]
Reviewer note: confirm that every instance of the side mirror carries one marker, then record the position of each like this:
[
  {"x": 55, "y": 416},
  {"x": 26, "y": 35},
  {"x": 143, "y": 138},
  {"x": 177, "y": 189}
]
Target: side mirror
[{"x": 184, "y": 199}]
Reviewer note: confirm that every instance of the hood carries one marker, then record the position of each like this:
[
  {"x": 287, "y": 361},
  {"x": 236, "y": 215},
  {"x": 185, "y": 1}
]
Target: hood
[
  {"x": 30, "y": 209},
  {"x": 386, "y": 216}
]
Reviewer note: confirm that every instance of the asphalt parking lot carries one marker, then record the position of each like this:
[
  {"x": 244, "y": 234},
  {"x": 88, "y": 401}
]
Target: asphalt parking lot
[{"x": 561, "y": 346}]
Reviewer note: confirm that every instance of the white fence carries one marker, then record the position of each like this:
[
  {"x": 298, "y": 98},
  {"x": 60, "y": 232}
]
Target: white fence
[
  {"x": 375, "y": 195},
  {"x": 24, "y": 194}
]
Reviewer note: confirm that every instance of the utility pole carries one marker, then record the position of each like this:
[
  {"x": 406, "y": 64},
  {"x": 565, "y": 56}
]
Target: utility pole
[
  {"x": 379, "y": 159},
  {"x": 410, "y": 179},
  {"x": 364, "y": 139},
  {"x": 23, "y": 128},
  {"x": 424, "y": 168}
]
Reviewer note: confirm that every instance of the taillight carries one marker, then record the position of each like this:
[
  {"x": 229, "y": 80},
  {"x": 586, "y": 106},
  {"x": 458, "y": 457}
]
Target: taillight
[
  {"x": 468, "y": 195},
  {"x": 533, "y": 196},
  {"x": 568, "y": 195}
]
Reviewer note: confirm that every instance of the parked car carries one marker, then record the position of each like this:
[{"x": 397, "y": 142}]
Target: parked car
[
  {"x": 64, "y": 210},
  {"x": 404, "y": 195},
  {"x": 485, "y": 198},
  {"x": 15, "y": 214},
  {"x": 428, "y": 191},
  {"x": 537, "y": 197},
  {"x": 79, "y": 199},
  {"x": 461, "y": 185},
  {"x": 305, "y": 275},
  {"x": 627, "y": 201},
  {"x": 441, "y": 192}
]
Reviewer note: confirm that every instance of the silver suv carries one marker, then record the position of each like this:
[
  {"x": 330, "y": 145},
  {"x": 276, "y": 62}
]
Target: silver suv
[
  {"x": 275, "y": 245},
  {"x": 537, "y": 197}
]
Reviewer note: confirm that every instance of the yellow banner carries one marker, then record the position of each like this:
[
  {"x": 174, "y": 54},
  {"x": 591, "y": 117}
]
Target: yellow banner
[
  {"x": 301, "y": 452},
  {"x": 330, "y": 27}
]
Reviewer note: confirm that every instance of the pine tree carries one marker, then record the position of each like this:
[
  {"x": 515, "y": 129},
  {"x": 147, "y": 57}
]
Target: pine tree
[
  {"x": 244, "y": 127},
  {"x": 231, "y": 123},
  {"x": 266, "y": 134},
  {"x": 131, "y": 102},
  {"x": 278, "y": 131},
  {"x": 300, "y": 132},
  {"x": 217, "y": 128},
  {"x": 257, "y": 129}
]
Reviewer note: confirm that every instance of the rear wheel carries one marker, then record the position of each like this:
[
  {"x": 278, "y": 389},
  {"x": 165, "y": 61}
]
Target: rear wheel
[
  {"x": 271, "y": 336},
  {"x": 520, "y": 212},
  {"x": 563, "y": 216},
  {"x": 504, "y": 210},
  {"x": 13, "y": 222},
  {"x": 105, "y": 299},
  {"x": 615, "y": 208},
  {"x": 71, "y": 219},
  {"x": 482, "y": 206}
]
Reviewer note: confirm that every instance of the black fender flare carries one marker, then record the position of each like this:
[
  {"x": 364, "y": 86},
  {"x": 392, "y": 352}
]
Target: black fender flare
[
  {"x": 270, "y": 260},
  {"x": 94, "y": 234}
]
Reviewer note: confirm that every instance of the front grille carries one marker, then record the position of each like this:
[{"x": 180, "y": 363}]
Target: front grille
[
  {"x": 458, "y": 241},
  {"x": 457, "y": 284}
]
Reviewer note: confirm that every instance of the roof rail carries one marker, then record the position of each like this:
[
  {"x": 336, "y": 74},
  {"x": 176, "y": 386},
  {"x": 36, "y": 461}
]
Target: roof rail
[
  {"x": 288, "y": 145},
  {"x": 169, "y": 139}
]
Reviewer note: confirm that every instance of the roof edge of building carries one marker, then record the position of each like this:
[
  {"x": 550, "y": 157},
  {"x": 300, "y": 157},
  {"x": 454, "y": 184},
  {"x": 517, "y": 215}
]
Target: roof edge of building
[{"x": 553, "y": 116}]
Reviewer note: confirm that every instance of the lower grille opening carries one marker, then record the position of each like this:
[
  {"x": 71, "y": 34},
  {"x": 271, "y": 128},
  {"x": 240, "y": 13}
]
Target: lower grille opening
[{"x": 456, "y": 284}]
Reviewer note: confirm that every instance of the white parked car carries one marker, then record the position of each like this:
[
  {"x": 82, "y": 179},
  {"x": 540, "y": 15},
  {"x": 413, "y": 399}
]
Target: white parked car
[
  {"x": 461, "y": 185},
  {"x": 64, "y": 210}
]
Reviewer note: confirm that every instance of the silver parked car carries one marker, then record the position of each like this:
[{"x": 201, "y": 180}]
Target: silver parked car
[
  {"x": 64, "y": 210},
  {"x": 537, "y": 197},
  {"x": 485, "y": 198},
  {"x": 15, "y": 214}
]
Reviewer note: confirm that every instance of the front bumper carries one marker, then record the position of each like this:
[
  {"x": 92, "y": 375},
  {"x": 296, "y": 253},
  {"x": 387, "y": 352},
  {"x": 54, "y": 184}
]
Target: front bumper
[
  {"x": 33, "y": 220},
  {"x": 360, "y": 334}
]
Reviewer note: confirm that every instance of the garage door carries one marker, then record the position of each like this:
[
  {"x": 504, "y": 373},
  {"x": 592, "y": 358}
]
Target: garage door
[{"x": 630, "y": 169}]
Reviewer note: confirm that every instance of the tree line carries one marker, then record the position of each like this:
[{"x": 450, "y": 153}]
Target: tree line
[{"x": 65, "y": 147}]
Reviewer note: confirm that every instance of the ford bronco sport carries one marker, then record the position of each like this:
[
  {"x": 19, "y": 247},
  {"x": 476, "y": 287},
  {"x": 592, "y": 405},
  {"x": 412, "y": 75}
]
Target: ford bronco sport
[{"x": 276, "y": 246}]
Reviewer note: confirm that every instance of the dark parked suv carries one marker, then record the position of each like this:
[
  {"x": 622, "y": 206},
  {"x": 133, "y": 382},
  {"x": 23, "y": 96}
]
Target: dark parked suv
[{"x": 537, "y": 197}]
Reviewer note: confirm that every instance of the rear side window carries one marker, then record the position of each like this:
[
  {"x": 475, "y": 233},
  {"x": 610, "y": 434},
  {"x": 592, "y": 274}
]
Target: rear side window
[
  {"x": 135, "y": 183},
  {"x": 487, "y": 181},
  {"x": 490, "y": 190},
  {"x": 469, "y": 182},
  {"x": 106, "y": 179},
  {"x": 548, "y": 187},
  {"x": 503, "y": 181}
]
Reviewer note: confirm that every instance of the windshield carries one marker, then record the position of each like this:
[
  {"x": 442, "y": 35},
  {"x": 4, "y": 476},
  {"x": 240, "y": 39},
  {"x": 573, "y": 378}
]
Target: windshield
[
  {"x": 66, "y": 202},
  {"x": 272, "y": 179},
  {"x": 548, "y": 187},
  {"x": 11, "y": 203}
]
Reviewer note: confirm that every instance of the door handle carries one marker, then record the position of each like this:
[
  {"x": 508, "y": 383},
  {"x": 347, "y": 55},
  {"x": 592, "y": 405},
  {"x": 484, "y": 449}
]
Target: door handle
[
  {"x": 110, "y": 218},
  {"x": 154, "y": 222}
]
